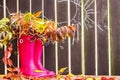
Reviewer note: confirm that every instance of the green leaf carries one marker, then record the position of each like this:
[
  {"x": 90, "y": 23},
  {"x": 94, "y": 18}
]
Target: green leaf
[
  {"x": 6, "y": 38},
  {"x": 2, "y": 26},
  {"x": 28, "y": 16},
  {"x": 40, "y": 26},
  {"x": 4, "y": 21},
  {"x": 9, "y": 35}
]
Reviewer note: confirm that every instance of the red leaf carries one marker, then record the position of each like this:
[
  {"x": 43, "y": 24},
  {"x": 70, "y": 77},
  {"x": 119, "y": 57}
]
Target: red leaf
[
  {"x": 10, "y": 63},
  {"x": 4, "y": 60},
  {"x": 6, "y": 53},
  {"x": 10, "y": 48}
]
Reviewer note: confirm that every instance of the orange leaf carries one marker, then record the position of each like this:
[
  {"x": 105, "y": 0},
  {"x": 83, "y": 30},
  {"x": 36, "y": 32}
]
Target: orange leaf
[
  {"x": 63, "y": 31},
  {"x": 16, "y": 69},
  {"x": 9, "y": 75},
  {"x": 37, "y": 14},
  {"x": 54, "y": 36},
  {"x": 10, "y": 69}
]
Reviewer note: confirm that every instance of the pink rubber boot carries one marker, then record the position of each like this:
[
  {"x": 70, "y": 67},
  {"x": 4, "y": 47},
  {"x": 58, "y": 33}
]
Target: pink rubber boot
[
  {"x": 38, "y": 57},
  {"x": 28, "y": 58}
]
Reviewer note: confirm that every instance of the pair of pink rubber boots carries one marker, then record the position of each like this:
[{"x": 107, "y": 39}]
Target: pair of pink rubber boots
[{"x": 31, "y": 57}]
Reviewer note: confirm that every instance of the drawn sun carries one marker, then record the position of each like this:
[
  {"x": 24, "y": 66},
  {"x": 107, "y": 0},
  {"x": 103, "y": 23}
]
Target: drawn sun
[{"x": 75, "y": 6}]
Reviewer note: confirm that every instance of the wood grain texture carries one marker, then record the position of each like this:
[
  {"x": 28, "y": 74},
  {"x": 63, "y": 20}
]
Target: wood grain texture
[{"x": 89, "y": 36}]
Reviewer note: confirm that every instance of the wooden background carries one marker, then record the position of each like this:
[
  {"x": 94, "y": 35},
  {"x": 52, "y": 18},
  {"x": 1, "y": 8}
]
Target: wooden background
[{"x": 89, "y": 35}]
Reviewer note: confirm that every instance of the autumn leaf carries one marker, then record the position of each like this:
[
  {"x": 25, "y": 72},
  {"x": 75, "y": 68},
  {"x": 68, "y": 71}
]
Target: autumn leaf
[
  {"x": 4, "y": 59},
  {"x": 9, "y": 75},
  {"x": 3, "y": 21},
  {"x": 7, "y": 54},
  {"x": 37, "y": 14},
  {"x": 1, "y": 45},
  {"x": 62, "y": 70},
  {"x": 5, "y": 37},
  {"x": 27, "y": 16},
  {"x": 7, "y": 61},
  {"x": 54, "y": 37},
  {"x": 10, "y": 48},
  {"x": 10, "y": 63},
  {"x": 39, "y": 26},
  {"x": 10, "y": 69},
  {"x": 70, "y": 75},
  {"x": 38, "y": 71},
  {"x": 13, "y": 69}
]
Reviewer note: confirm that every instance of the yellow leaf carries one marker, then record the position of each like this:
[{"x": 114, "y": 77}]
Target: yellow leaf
[
  {"x": 59, "y": 76},
  {"x": 98, "y": 78},
  {"x": 90, "y": 78},
  {"x": 1, "y": 45},
  {"x": 70, "y": 75},
  {"x": 6, "y": 38},
  {"x": 38, "y": 71},
  {"x": 5, "y": 42},
  {"x": 9, "y": 35},
  {"x": 80, "y": 75},
  {"x": 62, "y": 70}
]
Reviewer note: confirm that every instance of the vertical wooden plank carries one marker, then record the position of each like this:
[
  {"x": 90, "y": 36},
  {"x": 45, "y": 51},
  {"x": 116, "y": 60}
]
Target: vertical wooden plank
[
  {"x": 1, "y": 49},
  {"x": 26, "y": 6},
  {"x": 102, "y": 37},
  {"x": 12, "y": 9},
  {"x": 37, "y": 6},
  {"x": 89, "y": 37},
  {"x": 115, "y": 38},
  {"x": 75, "y": 17},
  {"x": 62, "y": 15},
  {"x": 49, "y": 48}
]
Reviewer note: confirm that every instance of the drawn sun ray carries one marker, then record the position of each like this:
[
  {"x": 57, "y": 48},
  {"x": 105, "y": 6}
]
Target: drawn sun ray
[
  {"x": 94, "y": 23},
  {"x": 89, "y": 10},
  {"x": 88, "y": 5},
  {"x": 86, "y": 26},
  {"x": 90, "y": 13},
  {"x": 87, "y": 21}
]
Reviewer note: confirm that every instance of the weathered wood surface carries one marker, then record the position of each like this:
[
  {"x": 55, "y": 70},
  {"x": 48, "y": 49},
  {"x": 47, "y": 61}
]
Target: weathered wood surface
[{"x": 89, "y": 36}]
